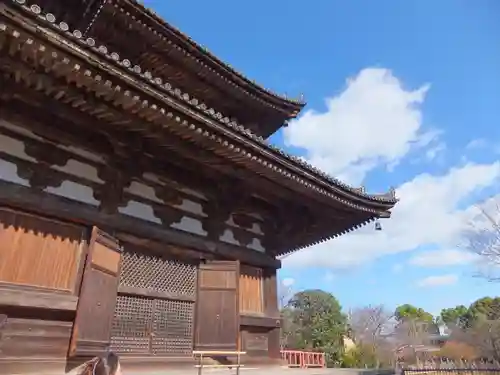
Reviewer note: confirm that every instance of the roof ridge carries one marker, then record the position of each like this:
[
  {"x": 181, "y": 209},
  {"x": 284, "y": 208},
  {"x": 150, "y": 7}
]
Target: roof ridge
[
  {"x": 214, "y": 58},
  {"x": 388, "y": 197}
]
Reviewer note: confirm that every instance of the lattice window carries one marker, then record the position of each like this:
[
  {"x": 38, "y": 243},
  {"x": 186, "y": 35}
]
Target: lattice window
[
  {"x": 173, "y": 327},
  {"x": 150, "y": 272},
  {"x": 132, "y": 325},
  {"x": 150, "y": 325}
]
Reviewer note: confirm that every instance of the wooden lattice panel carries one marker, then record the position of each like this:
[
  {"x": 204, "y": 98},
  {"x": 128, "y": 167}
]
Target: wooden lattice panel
[
  {"x": 161, "y": 275},
  {"x": 158, "y": 323},
  {"x": 132, "y": 325},
  {"x": 173, "y": 328}
]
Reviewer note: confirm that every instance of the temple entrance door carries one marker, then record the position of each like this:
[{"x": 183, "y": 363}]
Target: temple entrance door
[
  {"x": 155, "y": 309},
  {"x": 96, "y": 303},
  {"x": 217, "y": 323}
]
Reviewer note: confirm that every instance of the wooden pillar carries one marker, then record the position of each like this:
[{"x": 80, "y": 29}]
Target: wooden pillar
[
  {"x": 270, "y": 292},
  {"x": 274, "y": 343},
  {"x": 271, "y": 310}
]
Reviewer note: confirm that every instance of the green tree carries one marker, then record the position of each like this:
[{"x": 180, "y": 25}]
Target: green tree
[
  {"x": 317, "y": 321},
  {"x": 410, "y": 312},
  {"x": 455, "y": 316},
  {"x": 479, "y": 326},
  {"x": 485, "y": 308}
]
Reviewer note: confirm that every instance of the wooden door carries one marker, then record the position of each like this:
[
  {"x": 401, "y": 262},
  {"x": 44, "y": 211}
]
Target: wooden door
[
  {"x": 217, "y": 318},
  {"x": 96, "y": 304}
]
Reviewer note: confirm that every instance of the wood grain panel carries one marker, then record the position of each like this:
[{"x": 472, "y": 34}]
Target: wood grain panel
[
  {"x": 251, "y": 290},
  {"x": 96, "y": 304},
  {"x": 255, "y": 341},
  {"x": 217, "y": 324},
  {"x": 24, "y": 338},
  {"x": 39, "y": 251},
  {"x": 270, "y": 292},
  {"x": 106, "y": 258},
  {"x": 217, "y": 279},
  {"x": 21, "y": 196},
  {"x": 14, "y": 295}
]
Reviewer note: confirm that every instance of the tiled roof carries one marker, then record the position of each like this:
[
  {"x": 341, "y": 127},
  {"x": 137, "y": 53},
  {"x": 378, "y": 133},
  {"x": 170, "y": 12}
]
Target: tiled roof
[{"x": 323, "y": 183}]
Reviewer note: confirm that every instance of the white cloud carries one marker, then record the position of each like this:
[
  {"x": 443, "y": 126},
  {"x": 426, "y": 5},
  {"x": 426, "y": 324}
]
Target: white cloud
[
  {"x": 374, "y": 123},
  {"x": 287, "y": 282},
  {"x": 442, "y": 258},
  {"x": 476, "y": 144},
  {"x": 441, "y": 280},
  {"x": 428, "y": 213},
  {"x": 435, "y": 151}
]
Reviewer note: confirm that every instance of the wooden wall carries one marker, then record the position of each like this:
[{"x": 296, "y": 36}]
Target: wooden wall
[
  {"x": 83, "y": 176},
  {"x": 35, "y": 338},
  {"x": 251, "y": 290},
  {"x": 42, "y": 258},
  {"x": 255, "y": 341},
  {"x": 32, "y": 345},
  {"x": 40, "y": 252},
  {"x": 41, "y": 261},
  {"x": 260, "y": 318}
]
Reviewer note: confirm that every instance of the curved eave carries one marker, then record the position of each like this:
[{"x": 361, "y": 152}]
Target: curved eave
[
  {"x": 287, "y": 105},
  {"x": 382, "y": 203},
  {"x": 272, "y": 159},
  {"x": 284, "y": 253}
]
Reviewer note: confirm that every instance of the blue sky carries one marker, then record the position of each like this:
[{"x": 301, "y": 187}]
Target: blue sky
[{"x": 400, "y": 93}]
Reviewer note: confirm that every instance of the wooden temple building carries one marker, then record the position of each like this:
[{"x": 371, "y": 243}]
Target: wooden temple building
[{"x": 141, "y": 208}]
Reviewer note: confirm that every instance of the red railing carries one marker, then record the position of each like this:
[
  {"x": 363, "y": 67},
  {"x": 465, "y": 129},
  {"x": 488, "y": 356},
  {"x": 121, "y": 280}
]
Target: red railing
[{"x": 301, "y": 359}]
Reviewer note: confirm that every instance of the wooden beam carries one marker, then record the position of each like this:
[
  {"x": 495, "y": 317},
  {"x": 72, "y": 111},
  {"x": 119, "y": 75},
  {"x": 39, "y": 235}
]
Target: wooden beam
[
  {"x": 151, "y": 293},
  {"x": 260, "y": 321},
  {"x": 294, "y": 229},
  {"x": 31, "y": 297},
  {"x": 23, "y": 197},
  {"x": 189, "y": 172},
  {"x": 183, "y": 161},
  {"x": 82, "y": 137},
  {"x": 188, "y": 152}
]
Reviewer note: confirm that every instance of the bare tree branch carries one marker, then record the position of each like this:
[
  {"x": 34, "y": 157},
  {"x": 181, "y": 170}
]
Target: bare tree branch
[
  {"x": 285, "y": 293},
  {"x": 368, "y": 322},
  {"x": 288, "y": 329},
  {"x": 370, "y": 327},
  {"x": 482, "y": 238}
]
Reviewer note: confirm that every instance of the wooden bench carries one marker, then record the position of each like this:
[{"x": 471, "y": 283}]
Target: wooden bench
[{"x": 200, "y": 354}]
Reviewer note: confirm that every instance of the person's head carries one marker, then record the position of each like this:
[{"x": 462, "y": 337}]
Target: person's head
[{"x": 105, "y": 365}]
